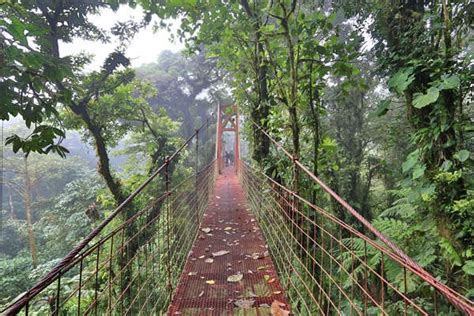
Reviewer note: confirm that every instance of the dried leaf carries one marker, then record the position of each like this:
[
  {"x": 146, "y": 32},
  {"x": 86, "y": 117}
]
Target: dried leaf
[
  {"x": 192, "y": 273},
  {"x": 277, "y": 292},
  {"x": 209, "y": 260},
  {"x": 206, "y": 230},
  {"x": 201, "y": 294},
  {"x": 220, "y": 253},
  {"x": 266, "y": 277},
  {"x": 244, "y": 303},
  {"x": 235, "y": 278},
  {"x": 211, "y": 282},
  {"x": 257, "y": 256},
  {"x": 251, "y": 294},
  {"x": 276, "y": 309},
  {"x": 228, "y": 228},
  {"x": 271, "y": 280}
]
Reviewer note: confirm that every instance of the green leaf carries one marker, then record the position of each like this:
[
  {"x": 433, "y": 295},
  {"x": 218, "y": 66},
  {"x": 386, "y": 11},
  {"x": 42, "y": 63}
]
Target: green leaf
[
  {"x": 447, "y": 164},
  {"x": 418, "y": 171},
  {"x": 422, "y": 100},
  {"x": 468, "y": 267},
  {"x": 268, "y": 28},
  {"x": 383, "y": 107},
  {"x": 402, "y": 79},
  {"x": 412, "y": 159},
  {"x": 450, "y": 253},
  {"x": 17, "y": 30},
  {"x": 449, "y": 82},
  {"x": 462, "y": 155}
]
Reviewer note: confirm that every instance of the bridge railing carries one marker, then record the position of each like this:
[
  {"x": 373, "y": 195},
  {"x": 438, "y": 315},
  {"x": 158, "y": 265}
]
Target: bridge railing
[
  {"x": 327, "y": 264},
  {"x": 131, "y": 262}
]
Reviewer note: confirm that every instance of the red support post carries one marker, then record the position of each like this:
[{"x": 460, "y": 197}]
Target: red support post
[
  {"x": 237, "y": 140},
  {"x": 219, "y": 129}
]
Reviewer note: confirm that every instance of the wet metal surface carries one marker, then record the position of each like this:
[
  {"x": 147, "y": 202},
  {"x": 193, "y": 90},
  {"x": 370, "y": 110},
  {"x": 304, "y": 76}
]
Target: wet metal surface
[{"x": 229, "y": 247}]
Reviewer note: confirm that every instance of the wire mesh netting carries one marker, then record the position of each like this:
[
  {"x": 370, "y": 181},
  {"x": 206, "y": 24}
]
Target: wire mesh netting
[
  {"x": 330, "y": 259},
  {"x": 131, "y": 262}
]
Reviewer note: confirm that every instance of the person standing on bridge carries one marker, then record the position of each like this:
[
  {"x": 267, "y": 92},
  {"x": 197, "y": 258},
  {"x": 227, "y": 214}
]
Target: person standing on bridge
[{"x": 226, "y": 158}]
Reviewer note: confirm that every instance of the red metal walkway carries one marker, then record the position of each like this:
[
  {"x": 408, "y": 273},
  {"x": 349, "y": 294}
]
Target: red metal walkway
[{"x": 229, "y": 270}]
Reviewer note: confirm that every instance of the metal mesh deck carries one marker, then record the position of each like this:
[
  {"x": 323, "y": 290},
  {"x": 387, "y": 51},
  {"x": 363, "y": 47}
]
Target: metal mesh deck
[{"x": 227, "y": 226}]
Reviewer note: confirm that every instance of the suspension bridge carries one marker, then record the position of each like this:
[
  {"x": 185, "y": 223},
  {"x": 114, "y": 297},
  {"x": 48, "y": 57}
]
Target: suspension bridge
[{"x": 232, "y": 240}]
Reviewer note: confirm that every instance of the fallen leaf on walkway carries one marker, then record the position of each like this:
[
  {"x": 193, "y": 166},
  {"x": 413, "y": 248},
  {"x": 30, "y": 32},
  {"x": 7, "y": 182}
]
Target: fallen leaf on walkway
[
  {"x": 202, "y": 257},
  {"x": 262, "y": 268},
  {"x": 257, "y": 256},
  {"x": 235, "y": 278},
  {"x": 192, "y": 273},
  {"x": 271, "y": 280},
  {"x": 201, "y": 294},
  {"x": 277, "y": 292},
  {"x": 266, "y": 277},
  {"x": 264, "y": 305},
  {"x": 206, "y": 230},
  {"x": 220, "y": 253},
  {"x": 217, "y": 196},
  {"x": 244, "y": 303},
  {"x": 277, "y": 310},
  {"x": 211, "y": 282},
  {"x": 250, "y": 294},
  {"x": 228, "y": 228},
  {"x": 209, "y": 260}
]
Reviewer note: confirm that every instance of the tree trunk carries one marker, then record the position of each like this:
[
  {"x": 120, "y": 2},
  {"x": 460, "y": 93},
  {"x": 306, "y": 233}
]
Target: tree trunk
[
  {"x": 29, "y": 217},
  {"x": 10, "y": 203},
  {"x": 261, "y": 108},
  {"x": 314, "y": 104}
]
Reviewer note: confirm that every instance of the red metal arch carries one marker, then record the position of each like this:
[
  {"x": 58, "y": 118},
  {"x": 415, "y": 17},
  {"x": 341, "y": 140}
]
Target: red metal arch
[{"x": 227, "y": 114}]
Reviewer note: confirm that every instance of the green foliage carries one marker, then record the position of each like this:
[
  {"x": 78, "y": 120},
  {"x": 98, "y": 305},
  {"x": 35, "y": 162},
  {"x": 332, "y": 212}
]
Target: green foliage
[
  {"x": 31, "y": 74},
  {"x": 402, "y": 79},
  {"x": 422, "y": 100},
  {"x": 14, "y": 276},
  {"x": 304, "y": 73}
]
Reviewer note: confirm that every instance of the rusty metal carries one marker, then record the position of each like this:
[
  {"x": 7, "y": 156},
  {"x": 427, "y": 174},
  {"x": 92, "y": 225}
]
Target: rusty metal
[
  {"x": 100, "y": 276},
  {"x": 233, "y": 229},
  {"x": 355, "y": 246},
  {"x": 227, "y": 114},
  {"x": 319, "y": 263}
]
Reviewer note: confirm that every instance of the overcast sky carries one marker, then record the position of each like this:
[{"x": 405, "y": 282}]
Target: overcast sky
[{"x": 144, "y": 48}]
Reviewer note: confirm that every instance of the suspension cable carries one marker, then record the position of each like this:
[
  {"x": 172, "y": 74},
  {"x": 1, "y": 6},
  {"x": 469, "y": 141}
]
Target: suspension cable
[
  {"x": 70, "y": 257},
  {"x": 461, "y": 302}
]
